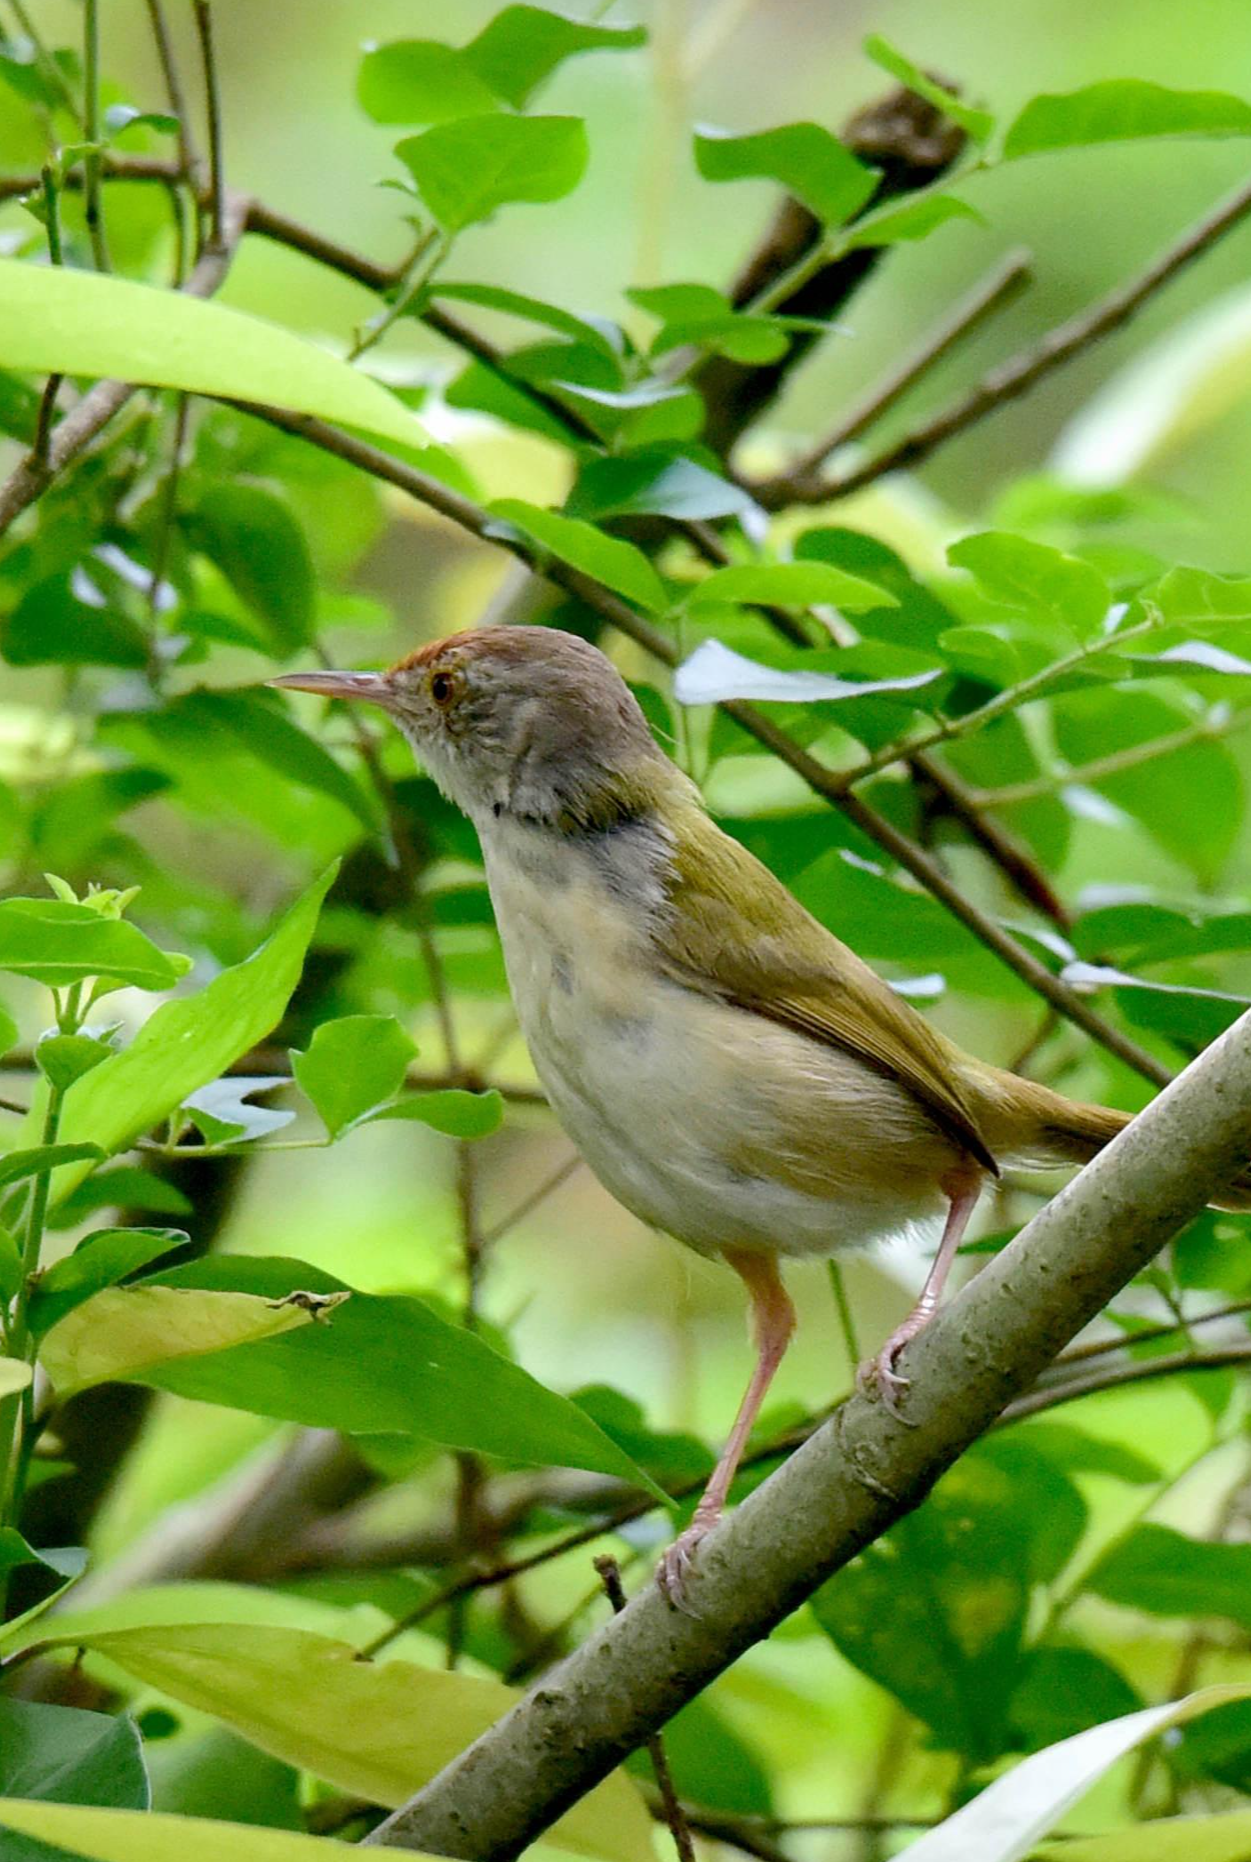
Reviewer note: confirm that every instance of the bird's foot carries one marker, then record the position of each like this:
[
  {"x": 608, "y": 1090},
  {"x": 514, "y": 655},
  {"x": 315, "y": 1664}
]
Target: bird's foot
[
  {"x": 878, "y": 1377},
  {"x": 676, "y": 1563}
]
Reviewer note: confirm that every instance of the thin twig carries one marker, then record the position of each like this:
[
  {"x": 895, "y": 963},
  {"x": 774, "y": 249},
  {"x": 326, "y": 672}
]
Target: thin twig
[
  {"x": 212, "y": 101},
  {"x": 1114, "y": 1376},
  {"x": 1204, "y": 730},
  {"x": 830, "y": 785},
  {"x": 1024, "y": 370},
  {"x": 94, "y": 207},
  {"x": 1003, "y": 283},
  {"x": 530, "y": 1203},
  {"x": 675, "y": 1816},
  {"x": 1102, "y": 1347},
  {"x": 169, "y": 505},
  {"x": 52, "y": 387},
  {"x": 188, "y": 160}
]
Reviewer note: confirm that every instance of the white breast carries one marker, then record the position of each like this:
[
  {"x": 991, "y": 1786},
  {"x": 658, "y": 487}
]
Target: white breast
[{"x": 657, "y": 1084}]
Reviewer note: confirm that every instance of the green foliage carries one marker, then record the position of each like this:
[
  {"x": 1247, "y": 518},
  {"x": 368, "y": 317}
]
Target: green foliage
[{"x": 350, "y": 1365}]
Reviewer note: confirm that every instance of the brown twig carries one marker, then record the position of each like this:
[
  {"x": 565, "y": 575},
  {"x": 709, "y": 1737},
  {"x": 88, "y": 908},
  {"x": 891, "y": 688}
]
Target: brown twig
[
  {"x": 212, "y": 99},
  {"x": 1114, "y": 1376},
  {"x": 1003, "y": 283},
  {"x": 188, "y": 160},
  {"x": 1101, "y": 1347},
  {"x": 674, "y": 1814},
  {"x": 1023, "y": 371},
  {"x": 91, "y": 129}
]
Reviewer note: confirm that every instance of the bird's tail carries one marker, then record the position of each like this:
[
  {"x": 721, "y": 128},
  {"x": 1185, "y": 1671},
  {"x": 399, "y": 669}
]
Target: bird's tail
[{"x": 1041, "y": 1127}]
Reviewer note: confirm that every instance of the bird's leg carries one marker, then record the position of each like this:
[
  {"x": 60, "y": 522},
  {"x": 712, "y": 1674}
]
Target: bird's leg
[
  {"x": 880, "y": 1373},
  {"x": 773, "y": 1322}
]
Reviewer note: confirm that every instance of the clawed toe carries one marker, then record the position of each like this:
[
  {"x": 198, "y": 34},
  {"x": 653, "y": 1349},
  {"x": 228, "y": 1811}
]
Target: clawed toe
[
  {"x": 674, "y": 1570},
  {"x": 879, "y": 1378}
]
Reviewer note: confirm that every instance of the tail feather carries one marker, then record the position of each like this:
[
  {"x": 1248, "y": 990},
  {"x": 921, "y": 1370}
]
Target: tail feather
[{"x": 1029, "y": 1124}]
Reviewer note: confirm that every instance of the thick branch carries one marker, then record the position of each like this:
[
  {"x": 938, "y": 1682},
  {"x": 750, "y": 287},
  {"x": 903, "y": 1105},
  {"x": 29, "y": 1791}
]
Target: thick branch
[
  {"x": 860, "y": 1472},
  {"x": 1021, "y": 372}
]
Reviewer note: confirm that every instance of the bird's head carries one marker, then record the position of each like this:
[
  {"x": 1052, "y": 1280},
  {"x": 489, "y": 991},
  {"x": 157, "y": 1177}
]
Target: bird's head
[{"x": 525, "y": 721}]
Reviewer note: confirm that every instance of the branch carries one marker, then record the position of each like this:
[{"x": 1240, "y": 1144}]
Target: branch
[
  {"x": 71, "y": 436},
  {"x": 851, "y": 1481},
  {"x": 998, "y": 288},
  {"x": 1019, "y": 374},
  {"x": 212, "y": 99},
  {"x": 1138, "y": 1371},
  {"x": 828, "y": 784}
]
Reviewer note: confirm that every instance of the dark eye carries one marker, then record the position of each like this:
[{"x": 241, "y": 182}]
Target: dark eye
[{"x": 441, "y": 688}]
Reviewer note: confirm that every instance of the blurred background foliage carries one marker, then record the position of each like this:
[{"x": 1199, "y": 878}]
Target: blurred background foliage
[{"x": 1073, "y": 1567}]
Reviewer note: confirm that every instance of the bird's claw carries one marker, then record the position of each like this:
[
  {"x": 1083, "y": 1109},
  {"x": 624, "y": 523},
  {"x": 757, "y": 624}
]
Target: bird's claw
[
  {"x": 879, "y": 1378},
  {"x": 676, "y": 1563}
]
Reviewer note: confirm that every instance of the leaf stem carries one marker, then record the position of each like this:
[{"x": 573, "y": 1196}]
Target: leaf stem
[{"x": 94, "y": 206}]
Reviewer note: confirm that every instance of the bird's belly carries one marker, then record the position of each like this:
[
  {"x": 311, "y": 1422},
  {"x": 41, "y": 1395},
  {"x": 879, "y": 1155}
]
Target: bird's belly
[{"x": 720, "y": 1127}]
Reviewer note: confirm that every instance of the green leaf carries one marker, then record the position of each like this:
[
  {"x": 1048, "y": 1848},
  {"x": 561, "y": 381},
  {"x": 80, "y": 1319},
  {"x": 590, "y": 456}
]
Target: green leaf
[
  {"x": 222, "y": 1112},
  {"x": 714, "y": 673},
  {"x": 1222, "y": 1836},
  {"x": 1165, "y": 1573},
  {"x": 64, "y": 1058},
  {"x": 124, "y": 1186},
  {"x": 351, "y": 1066},
  {"x": 789, "y": 585},
  {"x": 52, "y": 625},
  {"x": 801, "y": 157},
  {"x": 125, "y": 1333},
  {"x": 1122, "y": 110},
  {"x": 420, "y": 81},
  {"x": 534, "y": 310},
  {"x": 149, "y": 1836},
  {"x": 14, "y": 1165},
  {"x": 1008, "y": 1818},
  {"x": 977, "y": 124},
  {"x": 57, "y": 318},
  {"x": 469, "y": 168},
  {"x": 611, "y": 560},
  {"x": 378, "y": 1730},
  {"x": 900, "y": 221},
  {"x": 523, "y": 45},
  {"x": 259, "y": 721},
  {"x": 55, "y": 942},
  {"x": 10, "y": 1263},
  {"x": 256, "y": 542},
  {"x": 657, "y": 480},
  {"x": 1035, "y": 579},
  {"x": 426, "y": 1377},
  {"x": 1065, "y": 1690},
  {"x": 100, "y": 1260},
  {"x": 453, "y": 1111},
  {"x": 189, "y": 1042},
  {"x": 66, "y": 1756},
  {"x": 15, "y": 1374},
  {"x": 8, "y": 1031}
]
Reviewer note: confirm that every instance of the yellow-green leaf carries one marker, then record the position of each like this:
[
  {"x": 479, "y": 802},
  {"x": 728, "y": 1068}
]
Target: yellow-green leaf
[
  {"x": 14, "y": 1375},
  {"x": 148, "y": 1836},
  {"x": 1224, "y": 1837},
  {"x": 91, "y": 324},
  {"x": 376, "y": 1729},
  {"x": 126, "y": 1330}
]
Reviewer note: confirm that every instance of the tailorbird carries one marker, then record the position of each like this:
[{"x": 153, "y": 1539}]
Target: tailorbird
[{"x": 730, "y": 1071}]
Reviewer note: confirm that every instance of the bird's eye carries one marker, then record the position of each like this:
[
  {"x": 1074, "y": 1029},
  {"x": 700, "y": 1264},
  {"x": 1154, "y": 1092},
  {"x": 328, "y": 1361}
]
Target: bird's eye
[{"x": 441, "y": 688}]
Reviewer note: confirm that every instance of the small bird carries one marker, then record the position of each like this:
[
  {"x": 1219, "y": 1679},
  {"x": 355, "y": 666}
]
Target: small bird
[{"x": 730, "y": 1071}]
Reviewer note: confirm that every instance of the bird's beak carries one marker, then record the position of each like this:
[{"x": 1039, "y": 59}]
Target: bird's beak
[{"x": 375, "y": 687}]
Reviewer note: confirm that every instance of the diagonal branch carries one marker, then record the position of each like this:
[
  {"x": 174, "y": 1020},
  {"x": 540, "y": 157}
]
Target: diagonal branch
[
  {"x": 858, "y": 1474},
  {"x": 1021, "y": 372}
]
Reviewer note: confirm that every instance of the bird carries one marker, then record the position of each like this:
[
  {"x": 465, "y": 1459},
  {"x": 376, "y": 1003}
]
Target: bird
[{"x": 732, "y": 1072}]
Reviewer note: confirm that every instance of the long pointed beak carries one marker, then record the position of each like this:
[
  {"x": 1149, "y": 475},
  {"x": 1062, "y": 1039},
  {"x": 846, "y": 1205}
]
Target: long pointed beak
[{"x": 372, "y": 686}]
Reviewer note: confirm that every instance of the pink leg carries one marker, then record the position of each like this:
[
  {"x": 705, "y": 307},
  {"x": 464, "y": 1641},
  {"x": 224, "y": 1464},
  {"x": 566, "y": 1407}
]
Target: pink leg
[
  {"x": 880, "y": 1373},
  {"x": 773, "y": 1322}
]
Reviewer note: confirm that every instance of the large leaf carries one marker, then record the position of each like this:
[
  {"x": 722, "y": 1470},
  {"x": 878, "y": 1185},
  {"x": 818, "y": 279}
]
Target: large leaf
[
  {"x": 68, "y": 1756},
  {"x": 424, "y": 81},
  {"x": 1225, "y": 1836},
  {"x": 56, "y": 942},
  {"x": 1121, "y": 110},
  {"x": 714, "y": 673},
  {"x": 977, "y": 124},
  {"x": 1164, "y": 1573},
  {"x": 125, "y": 1333},
  {"x": 467, "y": 169},
  {"x": 425, "y": 1377},
  {"x": 91, "y": 323},
  {"x": 148, "y": 1836},
  {"x": 376, "y": 1729},
  {"x": 100, "y": 1260},
  {"x": 256, "y": 542},
  {"x": 790, "y": 585},
  {"x": 1035, "y": 579},
  {"x": 611, "y": 560},
  {"x": 1004, "y": 1823},
  {"x": 523, "y": 45},
  {"x": 189, "y": 1042},
  {"x": 351, "y": 1066},
  {"x": 803, "y": 158}
]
